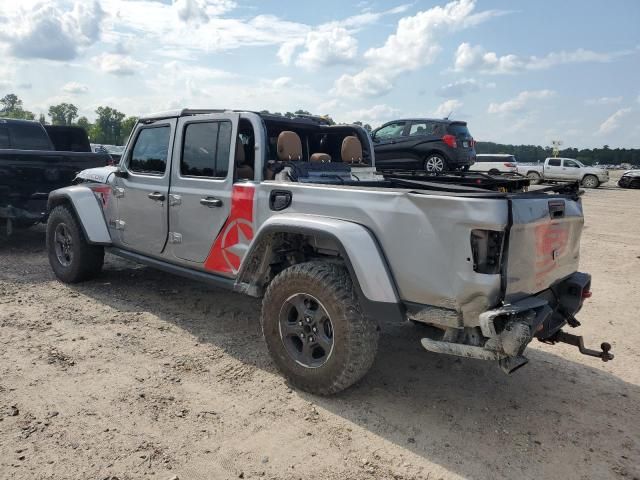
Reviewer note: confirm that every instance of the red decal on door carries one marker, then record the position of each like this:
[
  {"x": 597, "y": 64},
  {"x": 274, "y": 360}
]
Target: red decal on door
[{"x": 233, "y": 240}]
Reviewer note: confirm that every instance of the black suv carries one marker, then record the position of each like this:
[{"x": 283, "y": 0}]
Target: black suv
[{"x": 424, "y": 144}]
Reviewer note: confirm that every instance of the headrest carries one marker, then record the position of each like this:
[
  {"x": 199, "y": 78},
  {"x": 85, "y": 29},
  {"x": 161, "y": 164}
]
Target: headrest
[
  {"x": 320, "y": 157},
  {"x": 289, "y": 146},
  {"x": 239, "y": 153},
  {"x": 351, "y": 150}
]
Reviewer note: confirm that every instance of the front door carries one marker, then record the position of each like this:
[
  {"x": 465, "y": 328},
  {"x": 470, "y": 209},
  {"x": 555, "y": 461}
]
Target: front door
[
  {"x": 571, "y": 170},
  {"x": 385, "y": 143},
  {"x": 142, "y": 193},
  {"x": 201, "y": 184}
]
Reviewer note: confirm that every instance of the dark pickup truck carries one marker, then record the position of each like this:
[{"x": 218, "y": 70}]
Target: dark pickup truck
[{"x": 35, "y": 160}]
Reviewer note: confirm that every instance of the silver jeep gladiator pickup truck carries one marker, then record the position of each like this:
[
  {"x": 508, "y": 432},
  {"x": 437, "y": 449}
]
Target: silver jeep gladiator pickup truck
[{"x": 292, "y": 210}]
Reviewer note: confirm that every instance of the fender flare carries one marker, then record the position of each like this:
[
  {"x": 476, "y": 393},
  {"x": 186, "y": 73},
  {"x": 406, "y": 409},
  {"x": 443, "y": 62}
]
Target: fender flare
[
  {"x": 87, "y": 209},
  {"x": 355, "y": 243}
]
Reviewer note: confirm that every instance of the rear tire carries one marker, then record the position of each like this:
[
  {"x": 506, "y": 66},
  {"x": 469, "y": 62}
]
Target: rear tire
[
  {"x": 435, "y": 163},
  {"x": 317, "y": 302},
  {"x": 590, "y": 181},
  {"x": 71, "y": 257},
  {"x": 534, "y": 178},
  {"x": 493, "y": 171}
]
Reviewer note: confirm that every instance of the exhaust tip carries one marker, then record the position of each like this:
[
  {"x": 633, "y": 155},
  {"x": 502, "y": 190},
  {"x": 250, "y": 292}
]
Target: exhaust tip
[{"x": 511, "y": 364}]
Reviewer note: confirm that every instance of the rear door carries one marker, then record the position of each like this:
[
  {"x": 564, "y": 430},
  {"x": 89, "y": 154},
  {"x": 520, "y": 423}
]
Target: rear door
[
  {"x": 553, "y": 169},
  {"x": 142, "y": 195},
  {"x": 201, "y": 184}
]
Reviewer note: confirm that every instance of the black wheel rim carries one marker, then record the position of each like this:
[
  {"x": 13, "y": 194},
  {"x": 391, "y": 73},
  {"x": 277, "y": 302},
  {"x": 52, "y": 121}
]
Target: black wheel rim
[
  {"x": 63, "y": 244},
  {"x": 306, "y": 330}
]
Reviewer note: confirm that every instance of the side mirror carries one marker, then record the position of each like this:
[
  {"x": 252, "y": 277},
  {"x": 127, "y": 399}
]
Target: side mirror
[{"x": 121, "y": 173}]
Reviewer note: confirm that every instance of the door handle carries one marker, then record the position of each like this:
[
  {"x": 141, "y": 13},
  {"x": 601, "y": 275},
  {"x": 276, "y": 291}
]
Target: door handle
[
  {"x": 157, "y": 196},
  {"x": 211, "y": 202}
]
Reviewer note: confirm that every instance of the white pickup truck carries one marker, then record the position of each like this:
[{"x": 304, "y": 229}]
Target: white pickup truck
[{"x": 565, "y": 170}]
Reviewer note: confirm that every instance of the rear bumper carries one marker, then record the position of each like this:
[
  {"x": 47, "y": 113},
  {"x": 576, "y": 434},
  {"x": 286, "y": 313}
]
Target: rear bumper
[{"x": 506, "y": 331}]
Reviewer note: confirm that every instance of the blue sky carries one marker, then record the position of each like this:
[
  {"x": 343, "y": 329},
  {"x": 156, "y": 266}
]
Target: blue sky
[{"x": 517, "y": 71}]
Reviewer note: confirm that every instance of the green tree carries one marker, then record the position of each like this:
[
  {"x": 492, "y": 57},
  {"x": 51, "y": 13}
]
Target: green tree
[
  {"x": 127, "y": 128},
  {"x": 84, "y": 123},
  {"x": 42, "y": 119},
  {"x": 63, "y": 114},
  {"x": 108, "y": 126},
  {"x": 11, "y": 107}
]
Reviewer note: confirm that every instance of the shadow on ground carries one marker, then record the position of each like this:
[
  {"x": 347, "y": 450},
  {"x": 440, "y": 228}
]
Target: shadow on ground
[{"x": 554, "y": 418}]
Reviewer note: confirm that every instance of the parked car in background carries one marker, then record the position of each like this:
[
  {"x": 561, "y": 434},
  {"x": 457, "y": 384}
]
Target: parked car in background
[
  {"x": 33, "y": 161},
  {"x": 556, "y": 169},
  {"x": 495, "y": 163},
  {"x": 630, "y": 179},
  {"x": 424, "y": 144}
]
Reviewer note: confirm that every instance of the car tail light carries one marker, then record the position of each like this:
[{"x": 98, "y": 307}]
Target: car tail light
[
  {"x": 450, "y": 140},
  {"x": 586, "y": 294},
  {"x": 509, "y": 165},
  {"x": 487, "y": 248}
]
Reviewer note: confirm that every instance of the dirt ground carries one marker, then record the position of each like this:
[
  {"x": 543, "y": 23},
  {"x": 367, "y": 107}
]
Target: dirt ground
[{"x": 140, "y": 374}]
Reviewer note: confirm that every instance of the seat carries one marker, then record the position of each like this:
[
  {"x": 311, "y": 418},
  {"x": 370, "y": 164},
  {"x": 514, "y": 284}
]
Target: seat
[
  {"x": 289, "y": 147},
  {"x": 243, "y": 171},
  {"x": 351, "y": 151},
  {"x": 320, "y": 157}
]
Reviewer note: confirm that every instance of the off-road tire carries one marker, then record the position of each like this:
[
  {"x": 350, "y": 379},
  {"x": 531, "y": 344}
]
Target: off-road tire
[
  {"x": 534, "y": 178},
  {"x": 590, "y": 181},
  {"x": 355, "y": 336},
  {"x": 87, "y": 259}
]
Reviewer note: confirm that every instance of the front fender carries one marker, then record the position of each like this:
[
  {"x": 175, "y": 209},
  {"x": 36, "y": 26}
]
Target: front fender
[
  {"x": 88, "y": 210},
  {"x": 356, "y": 245}
]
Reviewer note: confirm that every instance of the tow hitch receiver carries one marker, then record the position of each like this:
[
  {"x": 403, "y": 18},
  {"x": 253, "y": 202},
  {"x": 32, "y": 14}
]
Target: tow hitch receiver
[{"x": 576, "y": 341}]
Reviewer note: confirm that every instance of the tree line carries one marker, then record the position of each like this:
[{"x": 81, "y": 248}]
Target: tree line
[
  {"x": 112, "y": 127},
  {"x": 588, "y": 156}
]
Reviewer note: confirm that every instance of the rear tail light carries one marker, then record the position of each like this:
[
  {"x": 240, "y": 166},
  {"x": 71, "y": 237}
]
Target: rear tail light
[
  {"x": 450, "y": 140},
  {"x": 486, "y": 247},
  {"x": 509, "y": 165},
  {"x": 586, "y": 294}
]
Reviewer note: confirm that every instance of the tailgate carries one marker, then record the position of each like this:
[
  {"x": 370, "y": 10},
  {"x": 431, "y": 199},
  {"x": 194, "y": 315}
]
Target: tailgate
[{"x": 544, "y": 243}]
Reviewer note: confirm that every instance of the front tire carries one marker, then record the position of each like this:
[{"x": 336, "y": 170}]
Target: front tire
[
  {"x": 314, "y": 328},
  {"x": 435, "y": 163},
  {"x": 71, "y": 257},
  {"x": 534, "y": 178},
  {"x": 590, "y": 181}
]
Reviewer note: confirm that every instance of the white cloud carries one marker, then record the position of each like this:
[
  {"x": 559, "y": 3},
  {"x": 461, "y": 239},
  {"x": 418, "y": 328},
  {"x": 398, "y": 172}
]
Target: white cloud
[
  {"x": 446, "y": 108},
  {"x": 520, "y": 102},
  {"x": 201, "y": 10},
  {"x": 612, "y": 123},
  {"x": 117, "y": 64},
  {"x": 50, "y": 31},
  {"x": 476, "y": 58},
  {"x": 75, "y": 88},
  {"x": 414, "y": 44},
  {"x": 327, "y": 47},
  {"x": 603, "y": 101},
  {"x": 331, "y": 43},
  {"x": 375, "y": 115},
  {"x": 459, "y": 88}
]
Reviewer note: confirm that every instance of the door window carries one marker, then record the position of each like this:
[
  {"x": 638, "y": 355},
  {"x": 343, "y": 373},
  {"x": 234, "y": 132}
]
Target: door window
[
  {"x": 206, "y": 149},
  {"x": 390, "y": 131},
  {"x": 554, "y": 162},
  {"x": 571, "y": 163},
  {"x": 151, "y": 150},
  {"x": 420, "y": 128}
]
